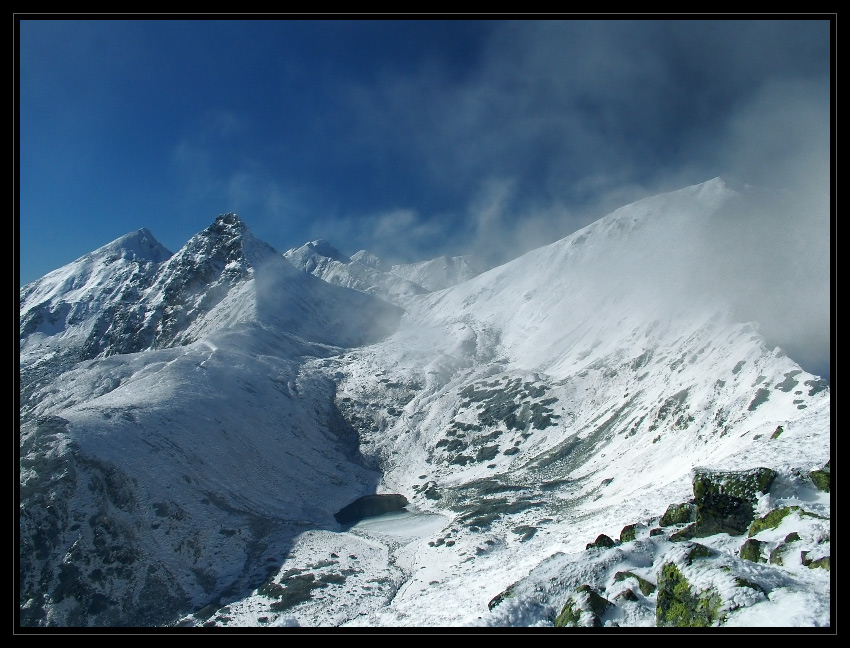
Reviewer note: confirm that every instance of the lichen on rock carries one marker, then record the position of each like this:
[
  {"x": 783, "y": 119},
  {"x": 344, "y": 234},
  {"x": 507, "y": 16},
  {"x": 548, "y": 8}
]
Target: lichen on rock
[
  {"x": 679, "y": 606},
  {"x": 584, "y": 609}
]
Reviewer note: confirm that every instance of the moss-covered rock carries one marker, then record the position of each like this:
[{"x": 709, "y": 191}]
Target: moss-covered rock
[
  {"x": 646, "y": 587},
  {"x": 679, "y": 606},
  {"x": 569, "y": 615},
  {"x": 821, "y": 478},
  {"x": 602, "y": 542},
  {"x": 725, "y": 501},
  {"x": 677, "y": 514},
  {"x": 628, "y": 533},
  {"x": 684, "y": 534},
  {"x": 501, "y": 596},
  {"x": 697, "y": 551},
  {"x": 751, "y": 550},
  {"x": 771, "y": 520},
  {"x": 744, "y": 484},
  {"x": 777, "y": 554},
  {"x": 585, "y": 608}
]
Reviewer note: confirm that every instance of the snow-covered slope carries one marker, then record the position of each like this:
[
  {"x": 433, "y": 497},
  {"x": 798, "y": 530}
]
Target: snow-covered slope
[
  {"x": 439, "y": 273},
  {"x": 192, "y": 477}
]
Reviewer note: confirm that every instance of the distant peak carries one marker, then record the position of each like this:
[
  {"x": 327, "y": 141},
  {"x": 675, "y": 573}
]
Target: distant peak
[
  {"x": 367, "y": 258},
  {"x": 325, "y": 249}
]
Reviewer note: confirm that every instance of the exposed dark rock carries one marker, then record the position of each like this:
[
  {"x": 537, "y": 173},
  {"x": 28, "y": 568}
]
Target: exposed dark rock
[
  {"x": 717, "y": 513},
  {"x": 501, "y": 596},
  {"x": 627, "y": 594},
  {"x": 602, "y": 541},
  {"x": 725, "y": 501}
]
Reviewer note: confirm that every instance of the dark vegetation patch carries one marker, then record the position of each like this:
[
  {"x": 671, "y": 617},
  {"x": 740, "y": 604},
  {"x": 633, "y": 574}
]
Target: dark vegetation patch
[{"x": 294, "y": 590}]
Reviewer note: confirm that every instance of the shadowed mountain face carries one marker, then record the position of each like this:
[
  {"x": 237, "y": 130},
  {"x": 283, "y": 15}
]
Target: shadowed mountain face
[
  {"x": 370, "y": 506},
  {"x": 200, "y": 430}
]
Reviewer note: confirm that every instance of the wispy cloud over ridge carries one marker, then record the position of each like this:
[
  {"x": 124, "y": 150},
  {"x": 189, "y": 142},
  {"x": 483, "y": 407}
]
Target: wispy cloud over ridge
[{"x": 415, "y": 139}]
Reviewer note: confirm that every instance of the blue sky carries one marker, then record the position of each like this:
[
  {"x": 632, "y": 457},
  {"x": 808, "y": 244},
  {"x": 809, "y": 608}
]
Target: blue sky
[{"x": 415, "y": 138}]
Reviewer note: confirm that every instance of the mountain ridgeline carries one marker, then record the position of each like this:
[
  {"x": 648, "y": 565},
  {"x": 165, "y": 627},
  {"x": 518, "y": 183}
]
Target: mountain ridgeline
[{"x": 191, "y": 422}]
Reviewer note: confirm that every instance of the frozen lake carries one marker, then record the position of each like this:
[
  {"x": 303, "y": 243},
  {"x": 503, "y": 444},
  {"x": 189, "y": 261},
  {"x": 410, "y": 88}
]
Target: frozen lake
[{"x": 404, "y": 524}]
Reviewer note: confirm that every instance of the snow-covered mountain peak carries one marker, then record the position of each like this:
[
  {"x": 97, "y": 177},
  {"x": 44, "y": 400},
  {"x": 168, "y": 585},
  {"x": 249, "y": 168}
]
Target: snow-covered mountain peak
[
  {"x": 226, "y": 245},
  {"x": 633, "y": 268},
  {"x": 316, "y": 256},
  {"x": 324, "y": 248},
  {"x": 660, "y": 217},
  {"x": 140, "y": 244},
  {"x": 367, "y": 258}
]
